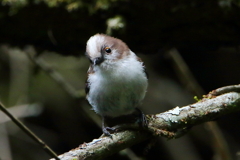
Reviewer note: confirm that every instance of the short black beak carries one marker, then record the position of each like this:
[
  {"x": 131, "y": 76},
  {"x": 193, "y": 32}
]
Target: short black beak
[{"x": 98, "y": 60}]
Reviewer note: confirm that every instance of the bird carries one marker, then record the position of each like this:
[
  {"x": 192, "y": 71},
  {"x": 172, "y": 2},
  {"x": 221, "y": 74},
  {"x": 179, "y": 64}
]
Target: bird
[{"x": 117, "y": 80}]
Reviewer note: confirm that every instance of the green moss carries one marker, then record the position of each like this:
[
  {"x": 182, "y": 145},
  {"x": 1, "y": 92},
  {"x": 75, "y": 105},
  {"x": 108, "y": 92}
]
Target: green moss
[
  {"x": 234, "y": 105},
  {"x": 196, "y": 98}
]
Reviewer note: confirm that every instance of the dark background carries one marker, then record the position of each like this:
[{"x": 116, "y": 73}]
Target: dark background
[{"x": 205, "y": 34}]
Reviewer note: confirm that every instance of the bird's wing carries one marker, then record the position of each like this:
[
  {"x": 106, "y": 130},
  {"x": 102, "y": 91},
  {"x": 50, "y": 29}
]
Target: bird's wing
[{"x": 87, "y": 84}]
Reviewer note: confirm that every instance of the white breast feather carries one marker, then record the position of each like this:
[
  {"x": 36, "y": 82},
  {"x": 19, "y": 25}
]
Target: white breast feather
[{"x": 119, "y": 89}]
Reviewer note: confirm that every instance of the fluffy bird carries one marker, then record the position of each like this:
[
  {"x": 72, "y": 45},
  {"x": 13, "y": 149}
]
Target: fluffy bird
[{"x": 117, "y": 81}]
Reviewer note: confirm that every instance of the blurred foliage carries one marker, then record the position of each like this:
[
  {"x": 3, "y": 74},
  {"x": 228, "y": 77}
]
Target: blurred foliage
[
  {"x": 95, "y": 5},
  {"x": 70, "y": 5},
  {"x": 206, "y": 33},
  {"x": 115, "y": 23},
  {"x": 15, "y": 5},
  {"x": 65, "y": 25}
]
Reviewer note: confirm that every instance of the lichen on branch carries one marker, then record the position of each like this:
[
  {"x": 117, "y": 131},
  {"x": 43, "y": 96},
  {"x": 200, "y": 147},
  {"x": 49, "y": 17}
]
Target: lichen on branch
[{"x": 166, "y": 124}]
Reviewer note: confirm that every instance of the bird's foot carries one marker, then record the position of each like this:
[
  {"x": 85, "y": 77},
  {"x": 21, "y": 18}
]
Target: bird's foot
[
  {"x": 142, "y": 121},
  {"x": 107, "y": 130}
]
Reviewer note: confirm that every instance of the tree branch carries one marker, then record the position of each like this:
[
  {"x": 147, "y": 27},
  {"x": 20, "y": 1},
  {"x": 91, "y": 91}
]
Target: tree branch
[
  {"x": 29, "y": 132},
  {"x": 200, "y": 112},
  {"x": 219, "y": 144},
  {"x": 168, "y": 124}
]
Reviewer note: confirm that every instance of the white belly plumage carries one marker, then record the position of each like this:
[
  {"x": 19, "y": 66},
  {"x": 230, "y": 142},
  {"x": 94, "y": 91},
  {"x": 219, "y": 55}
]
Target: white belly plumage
[{"x": 116, "y": 96}]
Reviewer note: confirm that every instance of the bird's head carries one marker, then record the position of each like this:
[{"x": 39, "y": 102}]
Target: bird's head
[{"x": 105, "y": 49}]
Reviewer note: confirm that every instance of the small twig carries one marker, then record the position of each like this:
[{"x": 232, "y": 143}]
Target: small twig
[
  {"x": 29, "y": 132},
  {"x": 22, "y": 111},
  {"x": 222, "y": 90}
]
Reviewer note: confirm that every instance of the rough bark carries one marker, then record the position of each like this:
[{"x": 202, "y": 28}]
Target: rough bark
[{"x": 171, "y": 124}]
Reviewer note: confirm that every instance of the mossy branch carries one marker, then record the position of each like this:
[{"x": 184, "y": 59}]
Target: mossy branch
[{"x": 170, "y": 124}]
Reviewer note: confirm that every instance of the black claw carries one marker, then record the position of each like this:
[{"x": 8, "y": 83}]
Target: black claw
[
  {"x": 106, "y": 129},
  {"x": 106, "y": 132},
  {"x": 141, "y": 121},
  {"x": 110, "y": 129}
]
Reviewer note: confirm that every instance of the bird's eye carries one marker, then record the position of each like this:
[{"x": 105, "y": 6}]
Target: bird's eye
[{"x": 107, "y": 49}]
